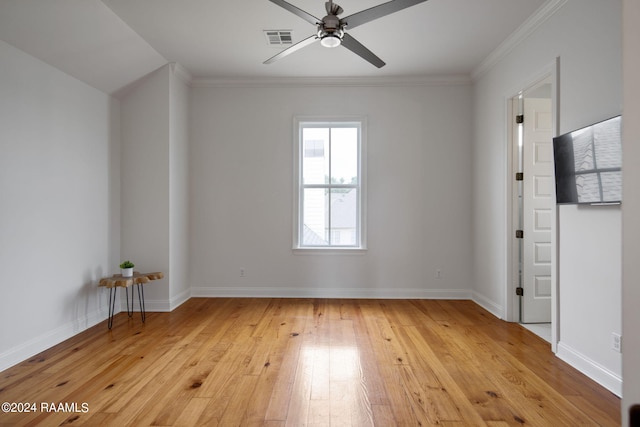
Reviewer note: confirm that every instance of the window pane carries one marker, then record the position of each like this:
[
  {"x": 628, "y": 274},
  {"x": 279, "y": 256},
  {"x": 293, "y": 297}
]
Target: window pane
[
  {"x": 315, "y": 155},
  {"x": 344, "y": 216},
  {"x": 344, "y": 155},
  {"x": 315, "y": 219}
]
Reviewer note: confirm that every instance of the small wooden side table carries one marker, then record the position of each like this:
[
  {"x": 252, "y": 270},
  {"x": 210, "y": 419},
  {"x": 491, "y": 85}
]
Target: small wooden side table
[{"x": 117, "y": 281}]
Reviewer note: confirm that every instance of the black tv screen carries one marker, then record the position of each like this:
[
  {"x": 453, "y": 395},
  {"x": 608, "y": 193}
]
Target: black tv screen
[{"x": 588, "y": 164}]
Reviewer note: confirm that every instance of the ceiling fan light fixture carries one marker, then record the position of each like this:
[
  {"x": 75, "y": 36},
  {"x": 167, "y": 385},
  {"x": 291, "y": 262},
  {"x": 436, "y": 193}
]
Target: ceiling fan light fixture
[{"x": 330, "y": 40}]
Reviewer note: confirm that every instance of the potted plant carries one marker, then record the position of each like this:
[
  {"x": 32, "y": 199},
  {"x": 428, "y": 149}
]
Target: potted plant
[{"x": 127, "y": 268}]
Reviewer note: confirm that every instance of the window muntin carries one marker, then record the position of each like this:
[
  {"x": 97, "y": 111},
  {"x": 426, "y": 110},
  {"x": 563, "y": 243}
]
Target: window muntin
[{"x": 329, "y": 184}]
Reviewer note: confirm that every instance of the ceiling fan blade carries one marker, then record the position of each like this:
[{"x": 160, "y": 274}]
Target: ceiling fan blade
[
  {"x": 297, "y": 11},
  {"x": 376, "y": 12},
  {"x": 356, "y": 47},
  {"x": 288, "y": 51}
]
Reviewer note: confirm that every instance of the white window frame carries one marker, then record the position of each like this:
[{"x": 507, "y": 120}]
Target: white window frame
[{"x": 298, "y": 155}]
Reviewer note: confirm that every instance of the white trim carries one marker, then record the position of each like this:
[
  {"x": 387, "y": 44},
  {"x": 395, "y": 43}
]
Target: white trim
[
  {"x": 158, "y": 305},
  {"x": 393, "y": 81},
  {"x": 489, "y": 305},
  {"x": 179, "y": 299},
  {"x": 325, "y": 121},
  {"x": 512, "y": 304},
  {"x": 512, "y": 309},
  {"x": 590, "y": 368},
  {"x": 315, "y": 292},
  {"x": 329, "y": 251},
  {"x": 24, "y": 351},
  {"x": 545, "y": 11},
  {"x": 154, "y": 305}
]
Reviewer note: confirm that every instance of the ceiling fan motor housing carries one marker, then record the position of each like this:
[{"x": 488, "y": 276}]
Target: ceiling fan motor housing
[{"x": 330, "y": 31}]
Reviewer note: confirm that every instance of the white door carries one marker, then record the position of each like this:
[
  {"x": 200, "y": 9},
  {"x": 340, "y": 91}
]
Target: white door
[{"x": 538, "y": 187}]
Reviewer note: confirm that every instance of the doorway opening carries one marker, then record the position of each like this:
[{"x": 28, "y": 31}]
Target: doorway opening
[{"x": 532, "y": 294}]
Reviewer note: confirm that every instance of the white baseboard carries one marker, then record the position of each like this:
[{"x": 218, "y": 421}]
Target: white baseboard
[
  {"x": 179, "y": 299},
  {"x": 489, "y": 305},
  {"x": 159, "y": 305},
  {"x": 47, "y": 340},
  {"x": 591, "y": 369},
  {"x": 310, "y": 292}
]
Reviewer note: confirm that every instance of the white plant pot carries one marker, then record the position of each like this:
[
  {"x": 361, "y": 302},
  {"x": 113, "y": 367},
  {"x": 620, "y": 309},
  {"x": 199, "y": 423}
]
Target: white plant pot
[{"x": 127, "y": 272}]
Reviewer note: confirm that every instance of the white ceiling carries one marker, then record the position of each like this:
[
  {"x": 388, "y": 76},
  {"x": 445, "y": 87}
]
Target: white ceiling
[{"x": 111, "y": 43}]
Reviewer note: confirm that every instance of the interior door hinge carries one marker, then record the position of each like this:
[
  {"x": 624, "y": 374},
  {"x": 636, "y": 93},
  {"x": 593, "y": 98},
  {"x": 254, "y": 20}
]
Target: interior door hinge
[
  {"x": 519, "y": 291},
  {"x": 519, "y": 234},
  {"x": 519, "y": 176},
  {"x": 520, "y": 118}
]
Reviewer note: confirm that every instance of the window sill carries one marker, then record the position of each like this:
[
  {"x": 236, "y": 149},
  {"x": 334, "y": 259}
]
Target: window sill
[{"x": 329, "y": 251}]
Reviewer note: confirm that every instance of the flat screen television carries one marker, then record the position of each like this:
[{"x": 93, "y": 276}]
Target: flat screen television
[{"x": 588, "y": 164}]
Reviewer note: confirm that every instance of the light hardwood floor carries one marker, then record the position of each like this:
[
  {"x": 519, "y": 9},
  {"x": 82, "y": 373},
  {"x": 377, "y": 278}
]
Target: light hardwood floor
[{"x": 307, "y": 362}]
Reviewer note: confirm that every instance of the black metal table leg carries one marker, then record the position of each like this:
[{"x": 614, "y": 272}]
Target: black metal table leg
[
  {"x": 143, "y": 313},
  {"x": 112, "y": 305},
  {"x": 129, "y": 308}
]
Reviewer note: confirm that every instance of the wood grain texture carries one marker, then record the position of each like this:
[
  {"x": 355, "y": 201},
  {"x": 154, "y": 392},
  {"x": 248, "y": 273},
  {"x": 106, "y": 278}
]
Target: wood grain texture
[
  {"x": 308, "y": 362},
  {"x": 118, "y": 281}
]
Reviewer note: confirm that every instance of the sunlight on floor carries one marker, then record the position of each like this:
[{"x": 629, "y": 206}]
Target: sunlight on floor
[{"x": 329, "y": 386}]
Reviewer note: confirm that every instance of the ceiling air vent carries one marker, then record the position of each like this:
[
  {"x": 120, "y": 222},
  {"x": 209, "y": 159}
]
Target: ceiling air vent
[{"x": 278, "y": 37}]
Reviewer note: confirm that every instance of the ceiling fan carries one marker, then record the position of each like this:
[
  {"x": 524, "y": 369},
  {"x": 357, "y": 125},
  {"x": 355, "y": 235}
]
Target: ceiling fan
[{"x": 331, "y": 29}]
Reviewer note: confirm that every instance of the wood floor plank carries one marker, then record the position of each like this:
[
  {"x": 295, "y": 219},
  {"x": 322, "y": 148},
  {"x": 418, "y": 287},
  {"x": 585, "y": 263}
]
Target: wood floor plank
[
  {"x": 236, "y": 413},
  {"x": 347, "y": 385},
  {"x": 481, "y": 385},
  {"x": 288, "y": 359},
  {"x": 315, "y": 362},
  {"x": 443, "y": 394},
  {"x": 389, "y": 354},
  {"x": 371, "y": 378},
  {"x": 192, "y": 412},
  {"x": 383, "y": 415}
]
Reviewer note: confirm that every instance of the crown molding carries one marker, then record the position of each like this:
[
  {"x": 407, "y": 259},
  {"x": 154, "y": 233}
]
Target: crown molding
[
  {"x": 444, "y": 80},
  {"x": 545, "y": 11}
]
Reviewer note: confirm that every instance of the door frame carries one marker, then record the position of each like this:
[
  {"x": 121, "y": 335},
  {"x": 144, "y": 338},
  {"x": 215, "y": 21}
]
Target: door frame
[{"x": 512, "y": 301}]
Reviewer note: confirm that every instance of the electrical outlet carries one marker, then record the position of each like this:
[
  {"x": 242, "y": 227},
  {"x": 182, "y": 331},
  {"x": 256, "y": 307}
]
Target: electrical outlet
[
  {"x": 616, "y": 342},
  {"x": 242, "y": 272},
  {"x": 438, "y": 274}
]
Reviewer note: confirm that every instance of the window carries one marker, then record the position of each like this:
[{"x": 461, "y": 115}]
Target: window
[{"x": 329, "y": 184}]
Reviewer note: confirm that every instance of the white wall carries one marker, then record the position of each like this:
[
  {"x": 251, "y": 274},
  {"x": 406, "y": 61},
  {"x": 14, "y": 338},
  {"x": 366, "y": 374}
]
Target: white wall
[
  {"x": 585, "y": 34},
  {"x": 419, "y": 210},
  {"x": 145, "y": 182},
  {"x": 590, "y": 290},
  {"x": 180, "y": 287},
  {"x": 630, "y": 208},
  {"x": 59, "y": 193},
  {"x": 155, "y": 178}
]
